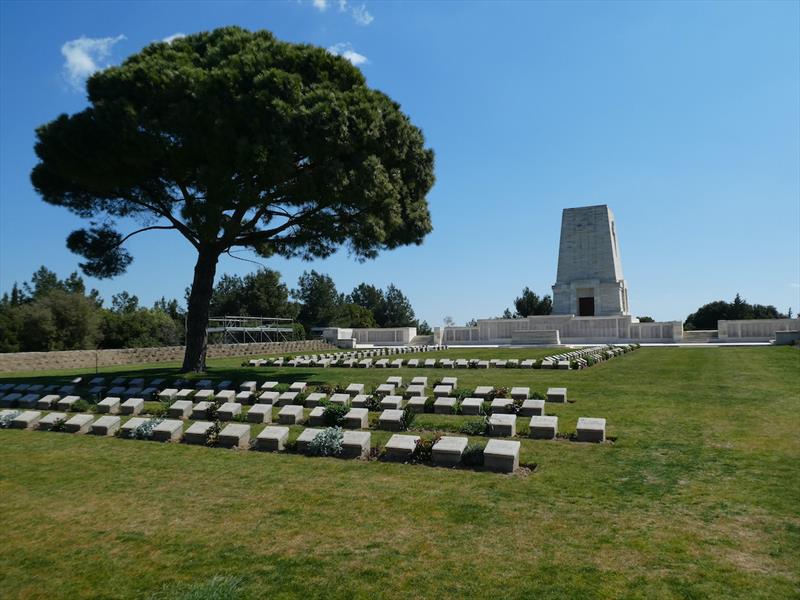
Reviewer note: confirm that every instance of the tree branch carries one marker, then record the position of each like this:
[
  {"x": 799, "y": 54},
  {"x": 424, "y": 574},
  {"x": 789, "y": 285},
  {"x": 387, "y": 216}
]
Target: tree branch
[{"x": 133, "y": 233}]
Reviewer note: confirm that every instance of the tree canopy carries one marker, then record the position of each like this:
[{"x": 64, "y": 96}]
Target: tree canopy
[
  {"x": 706, "y": 316},
  {"x": 234, "y": 138},
  {"x": 529, "y": 303}
]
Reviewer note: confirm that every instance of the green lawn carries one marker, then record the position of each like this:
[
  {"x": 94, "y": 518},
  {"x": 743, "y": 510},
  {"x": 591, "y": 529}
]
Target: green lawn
[{"x": 697, "y": 497}]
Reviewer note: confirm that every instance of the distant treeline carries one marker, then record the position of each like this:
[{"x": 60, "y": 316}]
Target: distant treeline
[{"x": 49, "y": 313}]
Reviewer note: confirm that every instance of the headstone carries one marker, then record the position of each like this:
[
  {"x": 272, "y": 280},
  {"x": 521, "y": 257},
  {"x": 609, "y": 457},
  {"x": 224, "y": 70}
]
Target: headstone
[
  {"x": 28, "y": 419},
  {"x": 180, "y": 409},
  {"x": 502, "y": 406},
  {"x": 183, "y": 394},
  {"x": 200, "y": 411},
  {"x": 291, "y": 414},
  {"x": 286, "y": 398},
  {"x": 316, "y": 416},
  {"x": 79, "y": 424},
  {"x": 48, "y": 421},
  {"x": 198, "y": 432},
  {"x": 503, "y": 425},
  {"x": 298, "y": 386},
  {"x": 401, "y": 447},
  {"x": 225, "y": 396},
  {"x": 269, "y": 397},
  {"x": 305, "y": 438},
  {"x": 132, "y": 406},
  {"x": 168, "y": 395},
  {"x": 385, "y": 389},
  {"x": 244, "y": 397},
  {"x": 260, "y": 413},
  {"x": 557, "y": 394},
  {"x": 109, "y": 405},
  {"x": 448, "y": 450},
  {"x": 354, "y": 389},
  {"x": 248, "y": 386},
  {"x": 391, "y": 420},
  {"x": 106, "y": 425},
  {"x": 341, "y": 399},
  {"x": 520, "y": 393},
  {"x": 169, "y": 430},
  {"x": 501, "y": 456},
  {"x": 396, "y": 381},
  {"x": 532, "y": 408},
  {"x": 47, "y": 402},
  {"x": 269, "y": 385},
  {"x": 483, "y": 391},
  {"x": 356, "y": 418},
  {"x": 272, "y": 439},
  {"x": 543, "y": 428},
  {"x": 229, "y": 410},
  {"x": 355, "y": 444},
  {"x": 314, "y": 399},
  {"x": 420, "y": 380},
  {"x": 235, "y": 435},
  {"x": 451, "y": 381},
  {"x": 442, "y": 390},
  {"x": 445, "y": 405},
  {"x": 67, "y": 403},
  {"x": 591, "y": 429},
  {"x": 392, "y": 402},
  {"x": 417, "y": 404},
  {"x": 471, "y": 406},
  {"x": 129, "y": 426}
]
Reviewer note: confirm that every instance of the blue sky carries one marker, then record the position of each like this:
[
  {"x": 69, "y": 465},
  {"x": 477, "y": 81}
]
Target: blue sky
[{"x": 683, "y": 117}]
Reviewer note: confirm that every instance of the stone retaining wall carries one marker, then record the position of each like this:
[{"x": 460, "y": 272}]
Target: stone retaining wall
[{"x": 89, "y": 359}]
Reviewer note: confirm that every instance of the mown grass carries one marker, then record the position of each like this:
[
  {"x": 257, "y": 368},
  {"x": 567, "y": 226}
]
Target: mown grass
[{"x": 697, "y": 498}]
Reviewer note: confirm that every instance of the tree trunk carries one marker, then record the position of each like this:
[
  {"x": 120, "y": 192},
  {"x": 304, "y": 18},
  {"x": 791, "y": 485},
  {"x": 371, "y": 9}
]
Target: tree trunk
[{"x": 197, "y": 318}]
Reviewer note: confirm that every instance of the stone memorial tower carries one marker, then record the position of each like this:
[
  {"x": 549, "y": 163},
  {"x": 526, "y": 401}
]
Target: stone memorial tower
[{"x": 589, "y": 281}]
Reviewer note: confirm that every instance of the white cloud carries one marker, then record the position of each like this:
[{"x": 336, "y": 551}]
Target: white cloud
[
  {"x": 345, "y": 50},
  {"x": 175, "y": 36},
  {"x": 342, "y": 5},
  {"x": 361, "y": 16},
  {"x": 321, "y": 4},
  {"x": 84, "y": 56}
]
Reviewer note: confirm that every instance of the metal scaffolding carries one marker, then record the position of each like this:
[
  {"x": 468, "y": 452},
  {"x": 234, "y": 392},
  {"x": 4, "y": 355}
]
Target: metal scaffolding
[{"x": 245, "y": 330}]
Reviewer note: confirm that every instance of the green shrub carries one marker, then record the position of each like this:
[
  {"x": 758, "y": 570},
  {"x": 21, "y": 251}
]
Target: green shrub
[
  {"x": 473, "y": 455},
  {"x": 500, "y": 392},
  {"x": 145, "y": 430},
  {"x": 407, "y": 419},
  {"x": 429, "y": 404},
  {"x": 326, "y": 389},
  {"x": 82, "y": 405},
  {"x": 5, "y": 420},
  {"x": 423, "y": 451},
  {"x": 334, "y": 414},
  {"x": 373, "y": 402},
  {"x": 60, "y": 425},
  {"x": 475, "y": 427},
  {"x": 159, "y": 410},
  {"x": 538, "y": 396},
  {"x": 537, "y": 364},
  {"x": 327, "y": 442},
  {"x": 212, "y": 435},
  {"x": 461, "y": 393}
]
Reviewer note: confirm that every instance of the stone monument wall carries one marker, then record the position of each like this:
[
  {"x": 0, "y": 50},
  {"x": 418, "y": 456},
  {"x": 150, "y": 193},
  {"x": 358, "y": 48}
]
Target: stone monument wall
[{"x": 89, "y": 359}]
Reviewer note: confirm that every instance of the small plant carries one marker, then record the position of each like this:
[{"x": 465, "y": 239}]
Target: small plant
[
  {"x": 423, "y": 451},
  {"x": 5, "y": 420},
  {"x": 212, "y": 435},
  {"x": 460, "y": 393},
  {"x": 326, "y": 389},
  {"x": 428, "y": 408},
  {"x": 327, "y": 442},
  {"x": 407, "y": 419},
  {"x": 334, "y": 414},
  {"x": 473, "y": 455},
  {"x": 240, "y": 418},
  {"x": 81, "y": 405},
  {"x": 573, "y": 364},
  {"x": 282, "y": 387},
  {"x": 476, "y": 427},
  {"x": 538, "y": 396},
  {"x": 145, "y": 430},
  {"x": 537, "y": 364},
  {"x": 373, "y": 402},
  {"x": 500, "y": 392},
  {"x": 58, "y": 425},
  {"x": 159, "y": 410}
]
